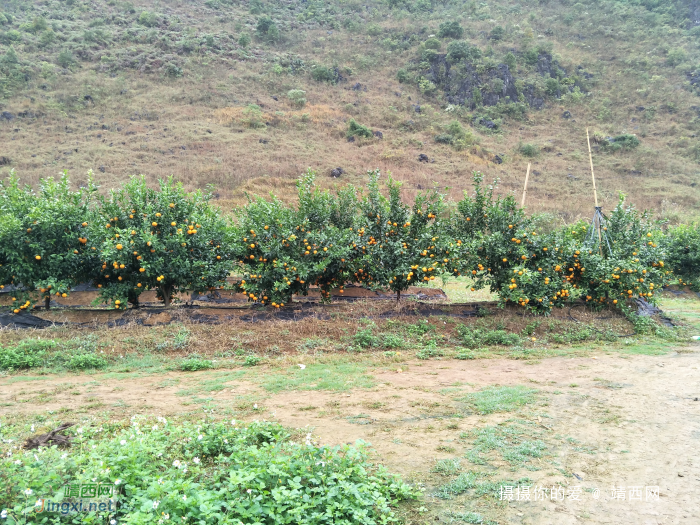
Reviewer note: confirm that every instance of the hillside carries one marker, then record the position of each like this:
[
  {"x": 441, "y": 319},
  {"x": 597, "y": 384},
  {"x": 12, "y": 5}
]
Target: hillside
[{"x": 247, "y": 95}]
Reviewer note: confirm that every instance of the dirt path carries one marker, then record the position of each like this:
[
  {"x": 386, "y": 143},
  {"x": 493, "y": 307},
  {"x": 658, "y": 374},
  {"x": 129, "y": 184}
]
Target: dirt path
[{"x": 613, "y": 420}]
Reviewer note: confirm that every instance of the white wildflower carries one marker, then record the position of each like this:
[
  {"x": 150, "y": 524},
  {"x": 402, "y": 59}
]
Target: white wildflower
[
  {"x": 117, "y": 482},
  {"x": 28, "y": 492},
  {"x": 176, "y": 463},
  {"x": 155, "y": 504},
  {"x": 301, "y": 366},
  {"x": 196, "y": 460},
  {"x": 122, "y": 442}
]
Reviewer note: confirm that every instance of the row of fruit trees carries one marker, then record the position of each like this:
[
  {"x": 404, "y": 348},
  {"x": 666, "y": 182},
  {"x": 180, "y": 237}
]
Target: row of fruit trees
[{"x": 139, "y": 238}]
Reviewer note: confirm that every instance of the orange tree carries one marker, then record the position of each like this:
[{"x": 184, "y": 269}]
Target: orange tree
[
  {"x": 165, "y": 240},
  {"x": 683, "y": 249},
  {"x": 283, "y": 250},
  {"x": 395, "y": 245},
  {"x": 500, "y": 248},
  {"x": 44, "y": 248},
  {"x": 540, "y": 271},
  {"x": 631, "y": 263}
]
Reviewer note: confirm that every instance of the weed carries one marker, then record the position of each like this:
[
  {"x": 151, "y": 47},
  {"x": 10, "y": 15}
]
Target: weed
[
  {"x": 252, "y": 360},
  {"x": 335, "y": 377},
  {"x": 500, "y": 399},
  {"x": 429, "y": 351},
  {"x": 457, "y": 486},
  {"x": 447, "y": 467},
  {"x": 29, "y": 353},
  {"x": 476, "y": 337},
  {"x": 466, "y": 517},
  {"x": 194, "y": 364}
]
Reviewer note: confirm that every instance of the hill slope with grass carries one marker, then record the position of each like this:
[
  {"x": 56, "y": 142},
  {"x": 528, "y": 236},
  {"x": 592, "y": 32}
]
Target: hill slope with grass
[{"x": 247, "y": 95}]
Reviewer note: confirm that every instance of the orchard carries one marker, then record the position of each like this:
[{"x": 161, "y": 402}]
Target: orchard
[{"x": 140, "y": 238}]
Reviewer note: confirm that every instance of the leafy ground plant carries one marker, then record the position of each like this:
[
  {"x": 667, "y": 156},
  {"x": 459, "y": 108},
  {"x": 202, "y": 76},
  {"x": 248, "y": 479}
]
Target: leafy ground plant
[{"x": 207, "y": 473}]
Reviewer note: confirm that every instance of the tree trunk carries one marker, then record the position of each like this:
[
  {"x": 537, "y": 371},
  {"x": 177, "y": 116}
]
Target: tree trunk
[
  {"x": 398, "y": 296},
  {"x": 165, "y": 292},
  {"x": 47, "y": 302}
]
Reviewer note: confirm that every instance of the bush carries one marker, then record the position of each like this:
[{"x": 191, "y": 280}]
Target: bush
[
  {"x": 244, "y": 40},
  {"x": 297, "y": 97},
  {"x": 460, "y": 50},
  {"x": 450, "y": 29},
  {"x": 195, "y": 470},
  {"x": 456, "y": 136},
  {"x": 164, "y": 240},
  {"x": 267, "y": 30},
  {"x": 65, "y": 59},
  {"x": 403, "y": 76},
  {"x": 432, "y": 43},
  {"x": 325, "y": 74},
  {"x": 173, "y": 70},
  {"x": 148, "y": 19},
  {"x": 497, "y": 33},
  {"x": 528, "y": 150},
  {"x": 358, "y": 130},
  {"x": 620, "y": 142},
  {"x": 253, "y": 116}
]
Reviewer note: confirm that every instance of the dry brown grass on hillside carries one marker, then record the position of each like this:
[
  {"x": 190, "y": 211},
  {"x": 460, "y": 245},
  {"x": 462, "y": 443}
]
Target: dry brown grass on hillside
[{"x": 194, "y": 128}]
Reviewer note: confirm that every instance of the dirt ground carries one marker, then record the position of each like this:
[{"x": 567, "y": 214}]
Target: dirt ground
[{"x": 609, "y": 420}]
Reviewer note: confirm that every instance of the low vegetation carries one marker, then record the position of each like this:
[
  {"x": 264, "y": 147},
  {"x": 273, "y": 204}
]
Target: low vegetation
[{"x": 210, "y": 472}]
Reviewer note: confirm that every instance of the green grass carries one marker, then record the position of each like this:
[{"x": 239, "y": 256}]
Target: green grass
[
  {"x": 500, "y": 399},
  {"x": 338, "y": 377}
]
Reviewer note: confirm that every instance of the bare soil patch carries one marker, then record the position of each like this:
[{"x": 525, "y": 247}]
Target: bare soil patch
[{"x": 607, "y": 420}]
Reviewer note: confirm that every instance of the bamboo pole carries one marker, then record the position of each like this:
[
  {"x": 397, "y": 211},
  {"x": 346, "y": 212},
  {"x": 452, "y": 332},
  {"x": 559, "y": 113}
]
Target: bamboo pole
[
  {"x": 590, "y": 157},
  {"x": 595, "y": 194},
  {"x": 527, "y": 176}
]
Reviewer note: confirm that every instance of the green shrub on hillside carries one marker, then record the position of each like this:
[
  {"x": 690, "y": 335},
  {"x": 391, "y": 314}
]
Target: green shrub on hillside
[
  {"x": 323, "y": 73},
  {"x": 297, "y": 97},
  {"x": 450, "y": 29},
  {"x": 358, "y": 130},
  {"x": 528, "y": 150},
  {"x": 267, "y": 29},
  {"x": 148, "y": 19}
]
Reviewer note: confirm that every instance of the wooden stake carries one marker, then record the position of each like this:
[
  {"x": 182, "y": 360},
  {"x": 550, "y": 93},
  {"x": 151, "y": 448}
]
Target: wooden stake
[
  {"x": 595, "y": 195},
  {"x": 527, "y": 176},
  {"x": 590, "y": 157}
]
